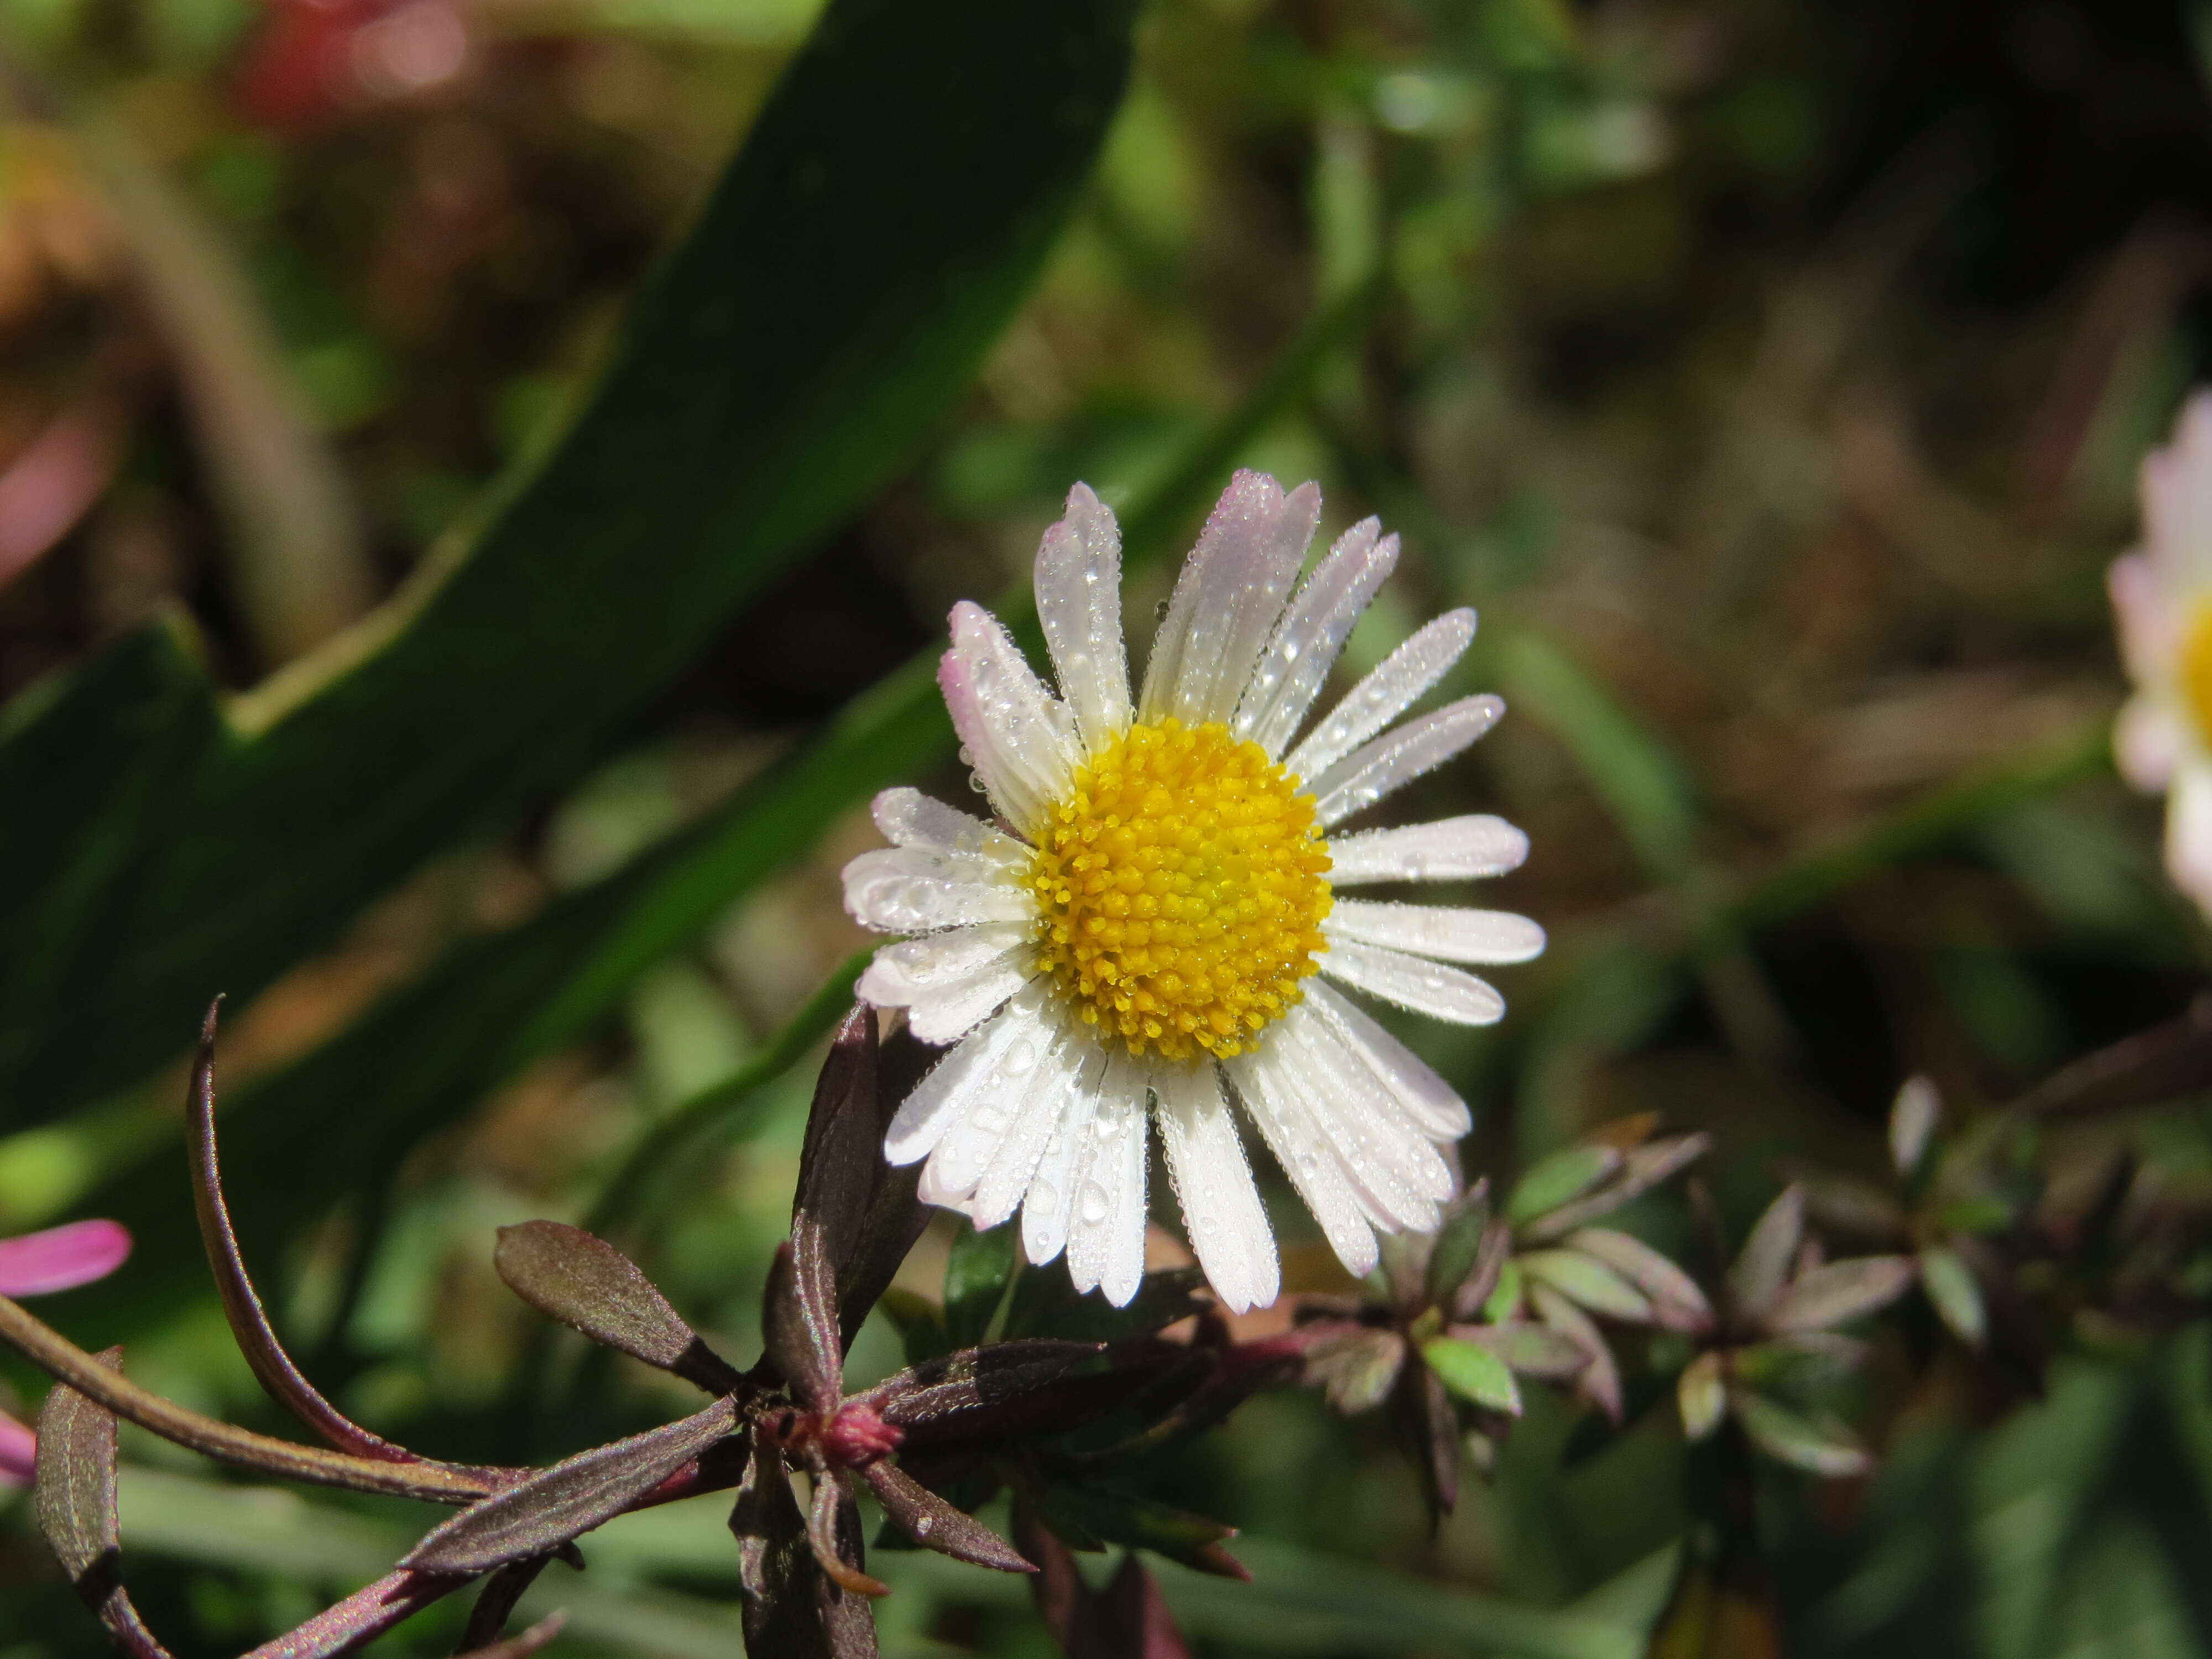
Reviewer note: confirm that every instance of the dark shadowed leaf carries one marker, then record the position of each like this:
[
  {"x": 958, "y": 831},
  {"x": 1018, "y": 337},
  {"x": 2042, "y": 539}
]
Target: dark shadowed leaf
[
  {"x": 1458, "y": 1244},
  {"x": 546, "y": 1510},
  {"x": 496, "y": 1602},
  {"x": 77, "y": 1507},
  {"x": 1840, "y": 1292},
  {"x": 1427, "y": 1429},
  {"x": 1127, "y": 1621},
  {"x": 1048, "y": 1304},
  {"x": 1114, "y": 1517},
  {"x": 976, "y": 1274},
  {"x": 791, "y": 1610},
  {"x": 2158, "y": 1064},
  {"x": 833, "y": 1532},
  {"x": 799, "y": 1322},
  {"x": 1599, "y": 1381},
  {"x": 843, "y": 1148},
  {"x": 929, "y": 1520},
  {"x": 585, "y": 1282},
  {"x": 895, "y": 1217},
  {"x": 977, "y": 1390}
]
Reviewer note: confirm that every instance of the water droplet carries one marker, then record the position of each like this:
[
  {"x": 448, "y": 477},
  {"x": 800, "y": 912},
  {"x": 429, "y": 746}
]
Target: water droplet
[
  {"x": 1044, "y": 1199},
  {"x": 1019, "y": 1058},
  {"x": 967, "y": 755},
  {"x": 976, "y": 783},
  {"x": 1094, "y": 1204}
]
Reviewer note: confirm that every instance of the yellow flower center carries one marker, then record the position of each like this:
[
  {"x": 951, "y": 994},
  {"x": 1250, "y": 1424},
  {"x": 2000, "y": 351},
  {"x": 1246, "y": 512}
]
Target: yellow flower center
[
  {"x": 1182, "y": 884},
  {"x": 2196, "y": 669}
]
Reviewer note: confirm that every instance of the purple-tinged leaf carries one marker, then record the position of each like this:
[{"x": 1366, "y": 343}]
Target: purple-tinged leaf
[
  {"x": 1677, "y": 1303},
  {"x": 241, "y": 1305},
  {"x": 982, "y": 1390},
  {"x": 62, "y": 1258},
  {"x": 863, "y": 1214},
  {"x": 496, "y": 1602},
  {"x": 1559, "y": 1179},
  {"x": 1818, "y": 1445},
  {"x": 587, "y": 1284},
  {"x": 1856, "y": 1208},
  {"x": 1130, "y": 1620},
  {"x": 1531, "y": 1349},
  {"x": 1600, "y": 1382},
  {"x": 1457, "y": 1247},
  {"x": 786, "y": 1600},
  {"x": 798, "y": 1322},
  {"x": 1806, "y": 1362},
  {"x": 1956, "y": 1294},
  {"x": 1912, "y": 1119},
  {"x": 1755, "y": 1279},
  {"x": 1426, "y": 1429},
  {"x": 833, "y": 1541},
  {"x": 2161, "y": 1064},
  {"x": 1357, "y": 1366},
  {"x": 361, "y": 1617},
  {"x": 539, "y": 1514},
  {"x": 930, "y": 1520},
  {"x": 1475, "y": 1373},
  {"x": 536, "y": 1638},
  {"x": 76, "y": 1508},
  {"x": 1115, "y": 1517},
  {"x": 1641, "y": 1170},
  {"x": 1840, "y": 1292},
  {"x": 1701, "y": 1394},
  {"x": 1592, "y": 1283},
  {"x": 1492, "y": 1257}
]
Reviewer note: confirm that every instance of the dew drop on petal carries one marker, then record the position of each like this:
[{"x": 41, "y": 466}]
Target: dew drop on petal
[
  {"x": 1045, "y": 1201},
  {"x": 1094, "y": 1204}
]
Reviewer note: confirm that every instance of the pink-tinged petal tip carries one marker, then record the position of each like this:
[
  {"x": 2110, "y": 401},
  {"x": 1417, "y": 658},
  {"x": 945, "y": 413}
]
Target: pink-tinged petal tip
[
  {"x": 19, "y": 1453},
  {"x": 62, "y": 1258}
]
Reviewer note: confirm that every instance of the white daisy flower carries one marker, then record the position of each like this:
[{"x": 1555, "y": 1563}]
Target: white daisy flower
[
  {"x": 1143, "y": 923},
  {"x": 2162, "y": 597}
]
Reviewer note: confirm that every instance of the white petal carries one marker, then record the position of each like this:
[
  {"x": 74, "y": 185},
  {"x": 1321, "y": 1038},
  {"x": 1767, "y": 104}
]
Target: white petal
[
  {"x": 1426, "y": 987},
  {"x": 1295, "y": 665},
  {"x": 942, "y": 1097},
  {"x": 1018, "y": 735},
  {"x": 1079, "y": 597},
  {"x": 1398, "y": 1175},
  {"x": 1396, "y": 759},
  {"x": 2148, "y": 741},
  {"x": 913, "y": 890},
  {"x": 1285, "y": 1124},
  {"x": 949, "y": 982},
  {"x": 1425, "y": 1097},
  {"x": 1221, "y": 1207},
  {"x": 993, "y": 1109},
  {"x": 2177, "y": 496},
  {"x": 1008, "y": 1177},
  {"x": 1385, "y": 694},
  {"x": 2188, "y": 834},
  {"x": 2149, "y": 619},
  {"x": 1106, "y": 1238},
  {"x": 1449, "y": 849},
  {"x": 907, "y": 818},
  {"x": 1227, "y": 600},
  {"x": 1442, "y": 930},
  {"x": 1050, "y": 1201}
]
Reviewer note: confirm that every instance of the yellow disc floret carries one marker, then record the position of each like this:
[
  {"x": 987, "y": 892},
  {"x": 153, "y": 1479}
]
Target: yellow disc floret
[
  {"x": 1181, "y": 886},
  {"x": 2196, "y": 669}
]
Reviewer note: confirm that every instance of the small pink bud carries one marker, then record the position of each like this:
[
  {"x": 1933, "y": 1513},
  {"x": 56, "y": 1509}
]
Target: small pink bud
[{"x": 856, "y": 1435}]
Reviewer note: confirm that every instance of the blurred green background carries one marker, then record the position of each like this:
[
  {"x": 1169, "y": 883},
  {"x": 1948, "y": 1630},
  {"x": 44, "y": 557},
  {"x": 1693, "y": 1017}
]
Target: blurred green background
[{"x": 1771, "y": 375}]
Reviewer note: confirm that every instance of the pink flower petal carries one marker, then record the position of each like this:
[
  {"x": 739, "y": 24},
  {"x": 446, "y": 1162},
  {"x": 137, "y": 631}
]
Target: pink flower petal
[
  {"x": 2150, "y": 619},
  {"x": 19, "y": 1451},
  {"x": 62, "y": 1258}
]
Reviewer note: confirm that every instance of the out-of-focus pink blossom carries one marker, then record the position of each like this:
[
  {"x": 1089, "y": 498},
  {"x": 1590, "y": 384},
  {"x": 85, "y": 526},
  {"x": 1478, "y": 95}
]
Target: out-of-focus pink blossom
[
  {"x": 2163, "y": 599},
  {"x": 38, "y": 1264},
  {"x": 316, "y": 62}
]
